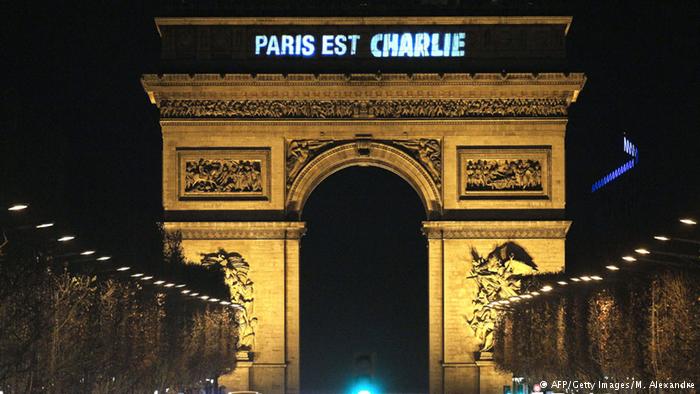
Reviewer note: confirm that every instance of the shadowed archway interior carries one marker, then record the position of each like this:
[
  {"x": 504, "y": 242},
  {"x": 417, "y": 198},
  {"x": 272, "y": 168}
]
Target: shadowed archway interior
[{"x": 364, "y": 282}]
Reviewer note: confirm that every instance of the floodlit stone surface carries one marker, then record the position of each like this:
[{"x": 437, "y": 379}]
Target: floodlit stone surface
[{"x": 242, "y": 153}]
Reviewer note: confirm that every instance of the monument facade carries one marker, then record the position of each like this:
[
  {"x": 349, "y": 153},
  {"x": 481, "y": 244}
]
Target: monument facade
[{"x": 256, "y": 112}]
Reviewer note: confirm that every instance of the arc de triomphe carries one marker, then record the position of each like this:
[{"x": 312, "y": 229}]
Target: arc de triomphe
[{"x": 483, "y": 148}]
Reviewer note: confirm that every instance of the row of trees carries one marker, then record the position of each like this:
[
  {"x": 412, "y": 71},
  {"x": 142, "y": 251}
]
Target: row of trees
[
  {"x": 645, "y": 327},
  {"x": 63, "y": 331}
]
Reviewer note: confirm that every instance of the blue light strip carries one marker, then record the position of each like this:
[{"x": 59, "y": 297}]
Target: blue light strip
[{"x": 631, "y": 150}]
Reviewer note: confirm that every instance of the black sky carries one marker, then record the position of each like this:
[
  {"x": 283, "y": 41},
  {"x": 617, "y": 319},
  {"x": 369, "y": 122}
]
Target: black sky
[{"x": 81, "y": 143}]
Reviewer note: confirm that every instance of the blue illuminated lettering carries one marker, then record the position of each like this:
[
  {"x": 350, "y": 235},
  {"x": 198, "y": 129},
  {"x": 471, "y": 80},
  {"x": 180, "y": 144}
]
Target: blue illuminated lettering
[
  {"x": 374, "y": 45},
  {"x": 382, "y": 45},
  {"x": 307, "y": 45},
  {"x": 406, "y": 46}
]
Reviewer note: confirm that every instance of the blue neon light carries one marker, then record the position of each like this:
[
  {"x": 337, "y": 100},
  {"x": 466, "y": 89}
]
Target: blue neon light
[{"x": 631, "y": 150}]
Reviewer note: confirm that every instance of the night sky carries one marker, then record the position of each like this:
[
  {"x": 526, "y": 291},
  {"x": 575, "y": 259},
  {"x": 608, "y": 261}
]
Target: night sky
[{"x": 81, "y": 143}]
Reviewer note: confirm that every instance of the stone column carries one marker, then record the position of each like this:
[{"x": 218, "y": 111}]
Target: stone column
[
  {"x": 456, "y": 364},
  {"x": 271, "y": 250}
]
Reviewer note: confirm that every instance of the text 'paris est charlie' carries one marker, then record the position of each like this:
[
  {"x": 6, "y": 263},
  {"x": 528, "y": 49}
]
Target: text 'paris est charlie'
[{"x": 380, "y": 45}]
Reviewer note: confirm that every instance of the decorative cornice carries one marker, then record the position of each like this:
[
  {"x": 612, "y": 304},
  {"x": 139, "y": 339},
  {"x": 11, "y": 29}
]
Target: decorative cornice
[
  {"x": 237, "y": 230},
  {"x": 496, "y": 229},
  {"x": 364, "y": 20},
  {"x": 151, "y": 81}
]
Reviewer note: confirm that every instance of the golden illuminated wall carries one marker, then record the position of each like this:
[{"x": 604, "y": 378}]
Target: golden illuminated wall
[{"x": 485, "y": 153}]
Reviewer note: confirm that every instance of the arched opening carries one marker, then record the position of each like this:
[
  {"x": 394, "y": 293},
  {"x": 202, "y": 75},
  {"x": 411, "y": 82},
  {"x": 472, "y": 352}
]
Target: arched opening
[
  {"x": 364, "y": 282},
  {"x": 375, "y": 154}
]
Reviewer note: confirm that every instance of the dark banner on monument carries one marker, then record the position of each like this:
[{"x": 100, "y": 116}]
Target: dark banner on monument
[{"x": 225, "y": 45}]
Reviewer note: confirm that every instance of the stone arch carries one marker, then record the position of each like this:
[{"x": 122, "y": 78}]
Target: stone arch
[{"x": 360, "y": 153}]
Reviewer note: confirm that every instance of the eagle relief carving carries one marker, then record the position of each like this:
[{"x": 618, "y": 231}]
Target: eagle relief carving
[
  {"x": 235, "y": 270},
  {"x": 498, "y": 276}
]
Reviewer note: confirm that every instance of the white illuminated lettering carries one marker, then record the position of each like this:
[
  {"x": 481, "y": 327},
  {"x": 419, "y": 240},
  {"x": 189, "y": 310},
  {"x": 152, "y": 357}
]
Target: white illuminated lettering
[
  {"x": 381, "y": 45},
  {"x": 406, "y": 45},
  {"x": 420, "y": 48},
  {"x": 288, "y": 45},
  {"x": 260, "y": 42},
  {"x": 326, "y": 45},
  {"x": 458, "y": 44},
  {"x": 297, "y": 44},
  {"x": 340, "y": 46},
  {"x": 353, "y": 43},
  {"x": 447, "y": 44},
  {"x": 391, "y": 45},
  {"x": 435, "y": 45},
  {"x": 374, "y": 45},
  {"x": 273, "y": 46},
  {"x": 308, "y": 47}
]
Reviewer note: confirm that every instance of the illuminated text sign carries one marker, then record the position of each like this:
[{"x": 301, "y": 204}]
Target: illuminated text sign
[{"x": 381, "y": 45}]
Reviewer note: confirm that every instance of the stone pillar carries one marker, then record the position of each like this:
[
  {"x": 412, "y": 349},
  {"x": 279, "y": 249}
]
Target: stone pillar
[
  {"x": 456, "y": 364},
  {"x": 271, "y": 250}
]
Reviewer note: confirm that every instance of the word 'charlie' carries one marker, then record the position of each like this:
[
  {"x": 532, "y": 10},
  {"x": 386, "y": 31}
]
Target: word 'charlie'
[{"x": 418, "y": 45}]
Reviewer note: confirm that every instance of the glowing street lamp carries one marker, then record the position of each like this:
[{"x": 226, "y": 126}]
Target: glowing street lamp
[
  {"x": 586, "y": 278},
  {"x": 123, "y": 268},
  {"x": 159, "y": 282},
  {"x": 104, "y": 258},
  {"x": 563, "y": 283},
  {"x": 180, "y": 286},
  {"x": 575, "y": 279},
  {"x": 18, "y": 207},
  {"x": 87, "y": 253},
  {"x": 688, "y": 221},
  {"x": 662, "y": 238},
  {"x": 137, "y": 275},
  {"x": 642, "y": 251},
  {"x": 147, "y": 278},
  {"x": 629, "y": 258},
  {"x": 596, "y": 277},
  {"x": 612, "y": 267},
  {"x": 169, "y": 285},
  {"x": 44, "y": 225},
  {"x": 66, "y": 238},
  {"x": 546, "y": 288}
]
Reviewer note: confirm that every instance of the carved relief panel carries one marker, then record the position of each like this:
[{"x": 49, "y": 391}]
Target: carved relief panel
[
  {"x": 236, "y": 173},
  {"x": 504, "y": 172}
]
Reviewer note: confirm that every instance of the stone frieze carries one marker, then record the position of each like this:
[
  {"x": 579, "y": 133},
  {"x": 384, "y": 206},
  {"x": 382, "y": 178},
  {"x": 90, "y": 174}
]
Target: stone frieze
[{"x": 382, "y": 109}]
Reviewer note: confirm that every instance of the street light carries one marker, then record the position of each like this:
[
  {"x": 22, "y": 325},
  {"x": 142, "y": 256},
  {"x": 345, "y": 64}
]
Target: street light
[
  {"x": 612, "y": 267},
  {"x": 66, "y": 238},
  {"x": 546, "y": 288},
  {"x": 104, "y": 258},
  {"x": 629, "y": 258},
  {"x": 563, "y": 283},
  {"x": 123, "y": 268},
  {"x": 575, "y": 279},
  {"x": 661, "y": 238},
  {"x": 18, "y": 207},
  {"x": 44, "y": 225},
  {"x": 87, "y": 253},
  {"x": 688, "y": 221},
  {"x": 642, "y": 251}
]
